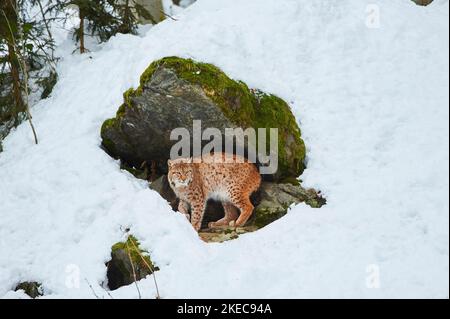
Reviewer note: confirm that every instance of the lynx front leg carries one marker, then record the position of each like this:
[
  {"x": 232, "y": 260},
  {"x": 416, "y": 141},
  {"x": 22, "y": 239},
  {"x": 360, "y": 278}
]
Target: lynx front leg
[
  {"x": 197, "y": 211},
  {"x": 183, "y": 207}
]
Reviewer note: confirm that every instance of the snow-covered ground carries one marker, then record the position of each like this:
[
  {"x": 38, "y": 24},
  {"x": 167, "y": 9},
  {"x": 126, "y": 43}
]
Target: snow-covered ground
[{"x": 371, "y": 96}]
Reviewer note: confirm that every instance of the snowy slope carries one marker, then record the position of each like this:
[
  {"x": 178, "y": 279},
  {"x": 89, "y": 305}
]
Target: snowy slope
[{"x": 373, "y": 107}]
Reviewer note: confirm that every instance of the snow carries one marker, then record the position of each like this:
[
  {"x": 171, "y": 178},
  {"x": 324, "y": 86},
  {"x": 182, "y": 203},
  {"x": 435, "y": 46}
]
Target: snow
[{"x": 373, "y": 107}]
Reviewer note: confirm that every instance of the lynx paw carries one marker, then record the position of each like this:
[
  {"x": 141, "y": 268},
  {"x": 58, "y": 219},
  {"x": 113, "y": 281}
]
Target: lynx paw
[
  {"x": 212, "y": 225},
  {"x": 232, "y": 223}
]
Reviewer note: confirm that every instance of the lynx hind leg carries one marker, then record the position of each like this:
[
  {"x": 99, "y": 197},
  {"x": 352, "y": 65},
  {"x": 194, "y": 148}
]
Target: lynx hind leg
[
  {"x": 231, "y": 214},
  {"x": 183, "y": 207},
  {"x": 246, "y": 209}
]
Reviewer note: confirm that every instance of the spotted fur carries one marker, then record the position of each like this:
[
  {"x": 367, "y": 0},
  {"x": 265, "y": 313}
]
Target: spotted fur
[{"x": 228, "y": 179}]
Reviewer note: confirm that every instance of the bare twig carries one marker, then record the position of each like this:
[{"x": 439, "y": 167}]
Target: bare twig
[
  {"x": 27, "y": 106},
  {"x": 92, "y": 289},
  {"x": 107, "y": 292},
  {"x": 149, "y": 267},
  {"x": 168, "y": 15},
  {"x": 47, "y": 27},
  {"x": 134, "y": 272}
]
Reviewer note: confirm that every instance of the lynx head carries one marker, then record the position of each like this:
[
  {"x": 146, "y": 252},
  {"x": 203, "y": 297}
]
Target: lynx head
[{"x": 180, "y": 172}]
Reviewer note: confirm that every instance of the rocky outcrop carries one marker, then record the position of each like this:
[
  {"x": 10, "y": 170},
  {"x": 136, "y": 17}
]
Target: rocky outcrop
[
  {"x": 173, "y": 92},
  {"x": 275, "y": 199},
  {"x": 128, "y": 264}
]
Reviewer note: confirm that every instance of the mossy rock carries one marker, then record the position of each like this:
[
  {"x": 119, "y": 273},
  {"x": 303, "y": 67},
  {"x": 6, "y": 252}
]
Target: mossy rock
[
  {"x": 31, "y": 288},
  {"x": 173, "y": 92},
  {"x": 274, "y": 200},
  {"x": 126, "y": 257}
]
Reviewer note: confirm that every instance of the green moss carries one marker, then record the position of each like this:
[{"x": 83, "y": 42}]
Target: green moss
[
  {"x": 263, "y": 217},
  {"x": 290, "y": 180},
  {"x": 228, "y": 231},
  {"x": 106, "y": 142},
  {"x": 316, "y": 202},
  {"x": 121, "y": 110},
  {"x": 127, "y": 95},
  {"x": 136, "y": 254},
  {"x": 273, "y": 112},
  {"x": 114, "y": 122},
  {"x": 217, "y": 86},
  {"x": 108, "y": 124},
  {"x": 128, "y": 263}
]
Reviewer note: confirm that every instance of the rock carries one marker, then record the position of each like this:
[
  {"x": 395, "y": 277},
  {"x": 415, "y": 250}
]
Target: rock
[
  {"x": 31, "y": 288},
  {"x": 275, "y": 199},
  {"x": 423, "y": 2},
  {"x": 120, "y": 268},
  {"x": 173, "y": 92},
  {"x": 219, "y": 235},
  {"x": 154, "y": 14},
  {"x": 161, "y": 185}
]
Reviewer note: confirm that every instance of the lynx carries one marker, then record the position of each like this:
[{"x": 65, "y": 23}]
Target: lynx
[{"x": 230, "y": 182}]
